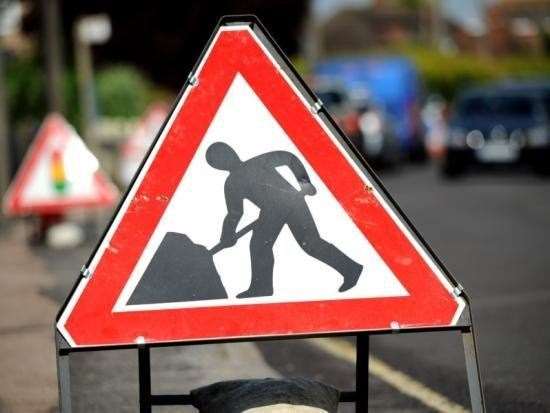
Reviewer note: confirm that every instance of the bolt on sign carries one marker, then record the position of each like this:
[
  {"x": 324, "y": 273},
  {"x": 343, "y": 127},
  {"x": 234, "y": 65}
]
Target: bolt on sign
[
  {"x": 58, "y": 173},
  {"x": 252, "y": 216}
]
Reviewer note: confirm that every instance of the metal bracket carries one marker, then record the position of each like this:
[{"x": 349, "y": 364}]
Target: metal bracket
[
  {"x": 458, "y": 290},
  {"x": 316, "y": 107},
  {"x": 465, "y": 320},
  {"x": 193, "y": 79},
  {"x": 85, "y": 272}
]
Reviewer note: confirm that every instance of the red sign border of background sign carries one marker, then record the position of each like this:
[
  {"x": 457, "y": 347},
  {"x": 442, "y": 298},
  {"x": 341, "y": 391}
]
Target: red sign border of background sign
[
  {"x": 91, "y": 321},
  {"x": 106, "y": 193}
]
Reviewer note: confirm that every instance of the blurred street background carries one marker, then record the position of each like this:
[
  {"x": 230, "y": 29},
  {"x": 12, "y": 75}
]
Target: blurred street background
[{"x": 448, "y": 100}]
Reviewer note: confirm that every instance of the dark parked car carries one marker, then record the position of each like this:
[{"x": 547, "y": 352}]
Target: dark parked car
[{"x": 508, "y": 123}]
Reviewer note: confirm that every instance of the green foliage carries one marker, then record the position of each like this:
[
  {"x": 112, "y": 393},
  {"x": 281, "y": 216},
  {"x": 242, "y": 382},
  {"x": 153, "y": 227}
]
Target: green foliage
[
  {"x": 25, "y": 89},
  {"x": 70, "y": 99},
  {"x": 413, "y": 4},
  {"x": 448, "y": 74},
  {"x": 122, "y": 91}
]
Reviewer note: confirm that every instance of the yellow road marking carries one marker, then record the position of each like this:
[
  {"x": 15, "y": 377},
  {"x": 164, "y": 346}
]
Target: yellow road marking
[{"x": 395, "y": 378}]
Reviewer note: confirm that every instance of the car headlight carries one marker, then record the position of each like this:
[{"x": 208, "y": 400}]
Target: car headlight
[
  {"x": 475, "y": 139},
  {"x": 456, "y": 138},
  {"x": 518, "y": 138},
  {"x": 537, "y": 136},
  {"x": 370, "y": 123}
]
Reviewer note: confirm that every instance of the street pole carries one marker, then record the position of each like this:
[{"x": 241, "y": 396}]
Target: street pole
[
  {"x": 4, "y": 130},
  {"x": 87, "y": 31},
  {"x": 53, "y": 55},
  {"x": 5, "y": 161},
  {"x": 85, "y": 80},
  {"x": 311, "y": 38}
]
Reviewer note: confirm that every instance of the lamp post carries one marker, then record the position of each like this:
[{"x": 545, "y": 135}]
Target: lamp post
[
  {"x": 88, "y": 31},
  {"x": 53, "y": 54}
]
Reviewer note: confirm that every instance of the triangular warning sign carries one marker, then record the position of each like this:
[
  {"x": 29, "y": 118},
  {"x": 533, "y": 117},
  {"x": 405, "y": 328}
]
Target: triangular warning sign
[
  {"x": 58, "y": 173},
  {"x": 252, "y": 216}
]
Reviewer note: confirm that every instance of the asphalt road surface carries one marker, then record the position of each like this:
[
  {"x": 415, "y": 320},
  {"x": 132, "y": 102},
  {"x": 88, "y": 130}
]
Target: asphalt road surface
[{"x": 491, "y": 231}]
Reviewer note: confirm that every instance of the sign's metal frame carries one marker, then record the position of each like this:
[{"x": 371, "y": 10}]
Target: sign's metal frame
[{"x": 360, "y": 394}]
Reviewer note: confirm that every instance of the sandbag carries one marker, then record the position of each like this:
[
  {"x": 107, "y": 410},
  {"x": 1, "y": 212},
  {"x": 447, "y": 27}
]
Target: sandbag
[{"x": 266, "y": 395}]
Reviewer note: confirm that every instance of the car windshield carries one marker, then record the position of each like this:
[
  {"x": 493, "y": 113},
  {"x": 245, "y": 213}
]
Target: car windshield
[{"x": 497, "y": 106}]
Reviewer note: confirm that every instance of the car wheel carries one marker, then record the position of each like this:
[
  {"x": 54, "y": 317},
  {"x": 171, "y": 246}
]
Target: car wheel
[
  {"x": 542, "y": 168},
  {"x": 418, "y": 155},
  {"x": 452, "y": 168}
]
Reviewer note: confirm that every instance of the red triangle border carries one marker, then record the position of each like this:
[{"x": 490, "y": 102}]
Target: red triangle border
[{"x": 88, "y": 319}]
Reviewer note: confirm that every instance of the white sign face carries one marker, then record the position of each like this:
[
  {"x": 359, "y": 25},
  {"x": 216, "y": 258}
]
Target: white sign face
[
  {"x": 79, "y": 166},
  {"x": 198, "y": 208}
]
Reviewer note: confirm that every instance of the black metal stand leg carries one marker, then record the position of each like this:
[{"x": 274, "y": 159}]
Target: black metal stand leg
[
  {"x": 144, "y": 366},
  {"x": 362, "y": 374},
  {"x": 472, "y": 369},
  {"x": 64, "y": 381}
]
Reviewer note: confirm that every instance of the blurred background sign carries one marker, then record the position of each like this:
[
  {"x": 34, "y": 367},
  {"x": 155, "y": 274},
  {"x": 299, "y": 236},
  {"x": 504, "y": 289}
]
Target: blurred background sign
[
  {"x": 58, "y": 174},
  {"x": 137, "y": 144}
]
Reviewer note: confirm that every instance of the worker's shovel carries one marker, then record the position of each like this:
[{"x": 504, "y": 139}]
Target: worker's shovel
[{"x": 180, "y": 271}]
